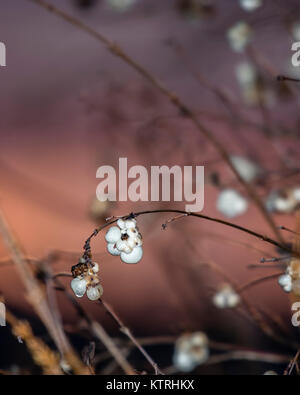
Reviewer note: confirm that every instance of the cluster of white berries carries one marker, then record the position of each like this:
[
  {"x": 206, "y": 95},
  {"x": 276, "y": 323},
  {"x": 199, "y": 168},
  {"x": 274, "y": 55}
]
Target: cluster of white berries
[
  {"x": 283, "y": 201},
  {"x": 86, "y": 280},
  {"x": 239, "y": 36},
  {"x": 231, "y": 203},
  {"x": 191, "y": 350},
  {"x": 285, "y": 281},
  {"x": 290, "y": 280},
  {"x": 250, "y": 5},
  {"x": 125, "y": 240},
  {"x": 226, "y": 297}
]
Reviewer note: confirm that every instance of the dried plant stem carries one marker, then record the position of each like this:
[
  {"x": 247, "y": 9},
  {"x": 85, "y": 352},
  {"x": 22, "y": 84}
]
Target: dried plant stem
[
  {"x": 42, "y": 355},
  {"x": 120, "y": 323},
  {"x": 37, "y": 298},
  {"x": 293, "y": 362},
  {"x": 97, "y": 329},
  {"x": 289, "y": 230},
  {"x": 129, "y": 334},
  {"x": 250, "y": 284},
  {"x": 173, "y": 98}
]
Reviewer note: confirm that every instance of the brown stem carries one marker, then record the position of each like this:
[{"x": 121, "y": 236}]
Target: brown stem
[
  {"x": 188, "y": 214},
  {"x": 129, "y": 334}
]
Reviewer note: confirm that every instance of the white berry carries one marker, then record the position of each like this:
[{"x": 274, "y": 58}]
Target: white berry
[
  {"x": 113, "y": 234},
  {"x": 130, "y": 223},
  {"x": 94, "y": 293},
  {"x": 79, "y": 287},
  {"x": 231, "y": 203},
  {"x": 121, "y": 223},
  {"x": 112, "y": 249},
  {"x": 285, "y": 281},
  {"x": 123, "y": 246},
  {"x": 133, "y": 257}
]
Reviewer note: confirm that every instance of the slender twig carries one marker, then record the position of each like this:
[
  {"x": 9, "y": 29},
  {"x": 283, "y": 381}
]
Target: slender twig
[
  {"x": 196, "y": 215},
  {"x": 250, "y": 284},
  {"x": 97, "y": 329},
  {"x": 129, "y": 334},
  {"x": 275, "y": 259},
  {"x": 289, "y": 230},
  {"x": 285, "y": 78},
  {"x": 122, "y": 327},
  {"x": 292, "y": 364}
]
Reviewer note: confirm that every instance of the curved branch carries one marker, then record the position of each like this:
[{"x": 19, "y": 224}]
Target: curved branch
[{"x": 259, "y": 236}]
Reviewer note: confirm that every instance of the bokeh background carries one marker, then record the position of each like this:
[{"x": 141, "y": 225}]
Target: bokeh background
[{"x": 69, "y": 106}]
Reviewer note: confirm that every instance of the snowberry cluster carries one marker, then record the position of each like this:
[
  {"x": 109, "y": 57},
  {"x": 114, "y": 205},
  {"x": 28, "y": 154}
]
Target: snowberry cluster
[
  {"x": 284, "y": 201},
  {"x": 125, "y": 240},
  {"x": 86, "y": 280},
  {"x": 191, "y": 350},
  {"x": 290, "y": 280},
  {"x": 226, "y": 297},
  {"x": 285, "y": 281}
]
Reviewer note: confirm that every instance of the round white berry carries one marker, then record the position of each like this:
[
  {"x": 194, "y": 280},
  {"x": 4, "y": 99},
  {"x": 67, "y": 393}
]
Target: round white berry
[
  {"x": 112, "y": 249},
  {"x": 94, "y": 293},
  {"x": 121, "y": 223},
  {"x": 123, "y": 246},
  {"x": 184, "y": 362},
  {"x": 248, "y": 170},
  {"x": 113, "y": 234},
  {"x": 285, "y": 281},
  {"x": 95, "y": 268},
  {"x": 130, "y": 223},
  {"x": 78, "y": 286},
  {"x": 231, "y": 203},
  {"x": 133, "y": 257}
]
